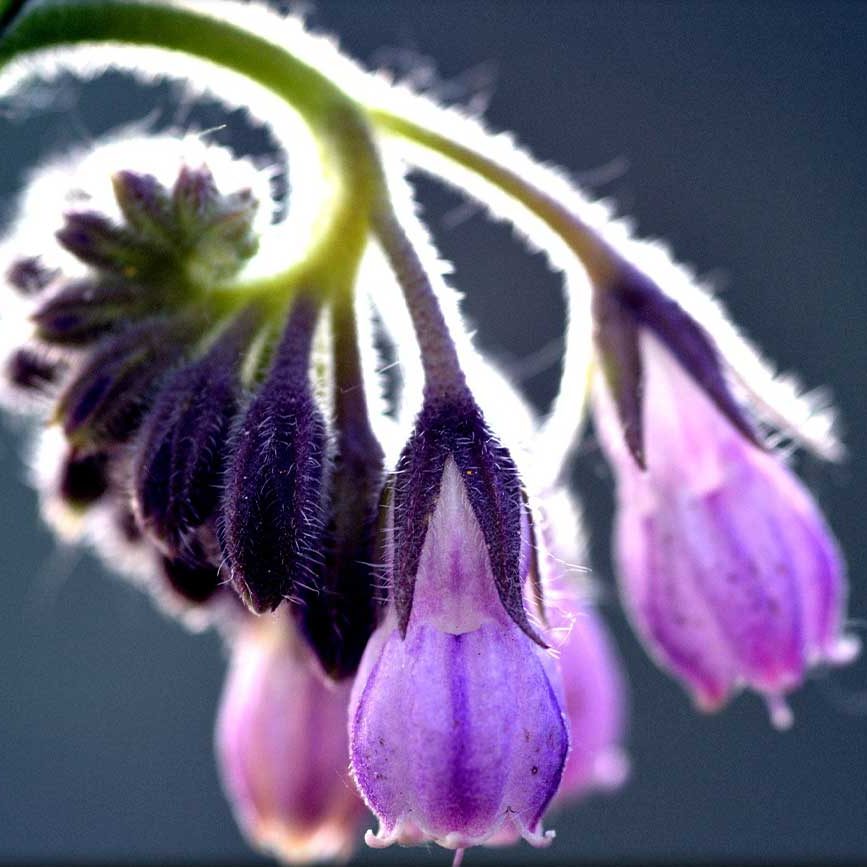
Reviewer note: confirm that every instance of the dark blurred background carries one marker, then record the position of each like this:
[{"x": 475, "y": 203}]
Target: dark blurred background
[{"x": 735, "y": 130}]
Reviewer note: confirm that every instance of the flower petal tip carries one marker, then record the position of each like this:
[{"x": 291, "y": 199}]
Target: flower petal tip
[
  {"x": 611, "y": 769},
  {"x": 845, "y": 650},
  {"x": 782, "y": 716}
]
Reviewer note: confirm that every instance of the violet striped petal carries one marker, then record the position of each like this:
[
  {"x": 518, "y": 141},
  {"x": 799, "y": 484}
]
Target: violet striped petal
[{"x": 454, "y": 737}]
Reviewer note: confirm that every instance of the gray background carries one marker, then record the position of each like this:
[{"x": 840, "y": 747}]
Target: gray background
[{"x": 744, "y": 129}]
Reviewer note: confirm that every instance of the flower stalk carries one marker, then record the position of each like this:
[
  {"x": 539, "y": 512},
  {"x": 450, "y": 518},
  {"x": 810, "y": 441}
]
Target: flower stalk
[{"x": 219, "y": 422}]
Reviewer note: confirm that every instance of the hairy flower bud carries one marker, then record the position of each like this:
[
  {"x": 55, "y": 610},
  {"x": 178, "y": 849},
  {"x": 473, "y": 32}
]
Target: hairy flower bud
[
  {"x": 192, "y": 575},
  {"x": 108, "y": 397},
  {"x": 82, "y": 311},
  {"x": 180, "y": 456},
  {"x": 282, "y": 747},
  {"x": 84, "y": 478},
  {"x": 29, "y": 276},
  {"x": 273, "y": 511},
  {"x": 726, "y": 565},
  {"x": 28, "y": 370},
  {"x": 338, "y": 614}
]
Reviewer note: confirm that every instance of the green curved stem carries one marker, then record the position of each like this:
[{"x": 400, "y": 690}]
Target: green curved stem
[
  {"x": 595, "y": 256},
  {"x": 337, "y": 124}
]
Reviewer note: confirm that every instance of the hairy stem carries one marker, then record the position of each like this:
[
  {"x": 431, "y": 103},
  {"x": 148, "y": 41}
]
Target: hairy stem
[{"x": 594, "y": 254}]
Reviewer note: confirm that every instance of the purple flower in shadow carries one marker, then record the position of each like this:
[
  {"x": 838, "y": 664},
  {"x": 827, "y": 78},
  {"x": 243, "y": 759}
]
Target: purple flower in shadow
[{"x": 282, "y": 746}]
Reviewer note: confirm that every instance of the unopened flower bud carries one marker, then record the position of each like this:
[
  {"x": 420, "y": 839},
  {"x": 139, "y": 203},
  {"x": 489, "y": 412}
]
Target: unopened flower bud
[
  {"x": 84, "y": 310},
  {"x": 192, "y": 575},
  {"x": 84, "y": 478},
  {"x": 30, "y": 371},
  {"x": 338, "y": 614},
  {"x": 273, "y": 511},
  {"x": 108, "y": 397},
  {"x": 28, "y": 276},
  {"x": 180, "y": 454},
  {"x": 282, "y": 747}
]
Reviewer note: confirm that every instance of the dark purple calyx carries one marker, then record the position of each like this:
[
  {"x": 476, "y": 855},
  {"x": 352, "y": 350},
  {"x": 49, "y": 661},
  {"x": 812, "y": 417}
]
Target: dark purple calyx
[
  {"x": 84, "y": 478},
  {"x": 339, "y": 614},
  {"x": 192, "y": 575},
  {"x": 273, "y": 513},
  {"x": 84, "y": 310},
  {"x": 109, "y": 396},
  {"x": 621, "y": 309},
  {"x": 29, "y": 276},
  {"x": 29, "y": 371},
  {"x": 100, "y": 243},
  {"x": 180, "y": 453},
  {"x": 454, "y": 427}
]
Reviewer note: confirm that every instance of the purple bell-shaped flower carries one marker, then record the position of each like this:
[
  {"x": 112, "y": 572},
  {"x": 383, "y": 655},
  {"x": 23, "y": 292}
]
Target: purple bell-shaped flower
[
  {"x": 457, "y": 728},
  {"x": 726, "y": 565}
]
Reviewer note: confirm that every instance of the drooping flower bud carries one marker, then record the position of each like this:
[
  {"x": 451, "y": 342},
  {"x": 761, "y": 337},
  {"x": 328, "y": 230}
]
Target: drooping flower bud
[
  {"x": 457, "y": 730},
  {"x": 282, "y": 747},
  {"x": 726, "y": 565},
  {"x": 108, "y": 397},
  {"x": 83, "y": 310},
  {"x": 192, "y": 575},
  {"x": 29, "y": 276},
  {"x": 30, "y": 371},
  {"x": 84, "y": 478},
  {"x": 180, "y": 456},
  {"x": 112, "y": 347},
  {"x": 273, "y": 512}
]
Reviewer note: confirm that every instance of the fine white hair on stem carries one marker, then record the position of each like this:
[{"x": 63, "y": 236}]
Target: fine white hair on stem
[
  {"x": 778, "y": 400},
  {"x": 503, "y": 407},
  {"x": 806, "y": 418}
]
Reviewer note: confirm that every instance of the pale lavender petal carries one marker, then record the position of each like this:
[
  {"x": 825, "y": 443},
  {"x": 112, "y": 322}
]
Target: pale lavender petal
[
  {"x": 455, "y": 736},
  {"x": 668, "y": 611},
  {"x": 282, "y": 747},
  {"x": 595, "y": 697},
  {"x": 454, "y": 589},
  {"x": 729, "y": 572}
]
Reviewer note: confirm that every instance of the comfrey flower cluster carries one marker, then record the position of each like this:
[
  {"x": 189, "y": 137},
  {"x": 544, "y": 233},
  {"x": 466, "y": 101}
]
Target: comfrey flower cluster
[{"x": 392, "y": 578}]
